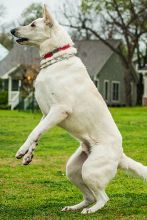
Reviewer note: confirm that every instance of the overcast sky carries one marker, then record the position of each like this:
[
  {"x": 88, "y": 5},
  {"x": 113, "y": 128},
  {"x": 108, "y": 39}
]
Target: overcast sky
[{"x": 15, "y": 7}]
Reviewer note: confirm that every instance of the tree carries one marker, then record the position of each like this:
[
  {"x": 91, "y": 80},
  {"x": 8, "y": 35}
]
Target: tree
[
  {"x": 5, "y": 38},
  {"x": 122, "y": 19},
  {"x": 2, "y": 12},
  {"x": 31, "y": 13},
  {"x": 73, "y": 15}
]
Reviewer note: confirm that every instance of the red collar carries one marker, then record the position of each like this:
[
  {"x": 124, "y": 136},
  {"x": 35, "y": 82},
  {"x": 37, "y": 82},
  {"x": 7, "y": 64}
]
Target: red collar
[{"x": 50, "y": 54}]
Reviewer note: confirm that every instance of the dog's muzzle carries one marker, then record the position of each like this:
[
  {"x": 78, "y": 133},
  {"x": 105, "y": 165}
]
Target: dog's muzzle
[
  {"x": 13, "y": 31},
  {"x": 19, "y": 39}
]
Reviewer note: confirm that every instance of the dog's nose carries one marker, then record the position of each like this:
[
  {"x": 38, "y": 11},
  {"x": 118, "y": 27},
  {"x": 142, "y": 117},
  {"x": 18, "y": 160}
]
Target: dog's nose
[{"x": 13, "y": 31}]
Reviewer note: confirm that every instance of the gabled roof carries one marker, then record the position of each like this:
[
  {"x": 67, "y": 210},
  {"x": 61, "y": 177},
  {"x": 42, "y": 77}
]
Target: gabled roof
[
  {"x": 3, "y": 52},
  {"x": 19, "y": 55},
  {"x": 95, "y": 54}
]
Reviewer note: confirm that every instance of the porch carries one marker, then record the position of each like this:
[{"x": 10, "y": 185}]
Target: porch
[
  {"x": 13, "y": 82},
  {"x": 145, "y": 89}
]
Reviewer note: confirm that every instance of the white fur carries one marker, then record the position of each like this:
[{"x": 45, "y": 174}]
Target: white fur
[{"x": 68, "y": 98}]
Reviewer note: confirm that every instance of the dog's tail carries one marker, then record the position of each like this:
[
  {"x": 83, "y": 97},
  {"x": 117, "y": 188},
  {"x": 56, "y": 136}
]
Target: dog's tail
[{"x": 127, "y": 163}]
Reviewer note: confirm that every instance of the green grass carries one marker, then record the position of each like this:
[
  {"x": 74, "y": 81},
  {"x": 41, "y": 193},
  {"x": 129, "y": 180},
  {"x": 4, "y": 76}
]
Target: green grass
[{"x": 40, "y": 190}]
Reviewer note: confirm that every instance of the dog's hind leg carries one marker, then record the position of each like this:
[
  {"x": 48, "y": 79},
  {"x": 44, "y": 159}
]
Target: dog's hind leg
[
  {"x": 73, "y": 171},
  {"x": 97, "y": 171}
]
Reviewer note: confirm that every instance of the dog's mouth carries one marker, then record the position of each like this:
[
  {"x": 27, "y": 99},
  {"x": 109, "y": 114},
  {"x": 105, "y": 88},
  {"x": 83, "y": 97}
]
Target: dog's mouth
[{"x": 22, "y": 40}]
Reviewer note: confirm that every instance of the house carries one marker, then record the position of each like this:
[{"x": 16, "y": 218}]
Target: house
[
  {"x": 143, "y": 72},
  {"x": 107, "y": 71},
  {"x": 15, "y": 69},
  {"x": 3, "y": 52},
  {"x": 104, "y": 66},
  {"x": 140, "y": 66}
]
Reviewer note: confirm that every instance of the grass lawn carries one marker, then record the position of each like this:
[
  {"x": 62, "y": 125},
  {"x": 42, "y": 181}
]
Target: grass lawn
[{"x": 40, "y": 190}]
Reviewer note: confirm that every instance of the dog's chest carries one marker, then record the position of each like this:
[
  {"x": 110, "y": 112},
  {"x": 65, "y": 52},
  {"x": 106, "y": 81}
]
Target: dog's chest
[
  {"x": 48, "y": 89},
  {"x": 45, "y": 93}
]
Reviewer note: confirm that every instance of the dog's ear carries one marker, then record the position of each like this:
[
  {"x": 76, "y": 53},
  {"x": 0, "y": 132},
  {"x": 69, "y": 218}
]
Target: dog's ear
[{"x": 48, "y": 18}]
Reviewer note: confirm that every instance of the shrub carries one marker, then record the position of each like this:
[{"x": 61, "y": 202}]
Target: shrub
[
  {"x": 4, "y": 98},
  {"x": 5, "y": 107}
]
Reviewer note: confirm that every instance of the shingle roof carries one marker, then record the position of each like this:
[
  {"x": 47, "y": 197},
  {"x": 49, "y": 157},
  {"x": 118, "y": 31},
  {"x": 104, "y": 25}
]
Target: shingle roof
[
  {"x": 93, "y": 53},
  {"x": 19, "y": 55},
  {"x": 3, "y": 52}
]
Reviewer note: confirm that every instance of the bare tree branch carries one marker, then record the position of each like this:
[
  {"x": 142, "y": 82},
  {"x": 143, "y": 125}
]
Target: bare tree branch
[{"x": 119, "y": 18}]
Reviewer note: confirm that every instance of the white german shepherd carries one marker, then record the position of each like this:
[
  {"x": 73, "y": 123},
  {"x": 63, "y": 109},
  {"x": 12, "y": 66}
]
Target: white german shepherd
[{"x": 68, "y": 98}]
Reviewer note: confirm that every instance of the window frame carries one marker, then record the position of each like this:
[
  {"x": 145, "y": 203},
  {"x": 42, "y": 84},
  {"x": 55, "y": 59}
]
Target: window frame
[
  {"x": 96, "y": 79},
  {"x": 118, "y": 83},
  {"x": 108, "y": 95}
]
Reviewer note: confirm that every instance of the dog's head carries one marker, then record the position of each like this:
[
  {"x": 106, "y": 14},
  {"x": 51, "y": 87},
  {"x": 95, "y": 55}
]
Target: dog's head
[{"x": 38, "y": 31}]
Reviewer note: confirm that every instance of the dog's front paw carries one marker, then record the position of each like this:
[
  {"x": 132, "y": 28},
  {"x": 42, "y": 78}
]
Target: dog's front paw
[
  {"x": 20, "y": 154},
  {"x": 27, "y": 159},
  {"x": 23, "y": 150}
]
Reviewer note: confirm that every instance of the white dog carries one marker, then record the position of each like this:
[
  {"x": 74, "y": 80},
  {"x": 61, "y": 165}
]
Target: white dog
[{"x": 68, "y": 98}]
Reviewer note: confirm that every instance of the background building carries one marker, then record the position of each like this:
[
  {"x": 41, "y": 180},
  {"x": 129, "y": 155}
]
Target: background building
[{"x": 20, "y": 67}]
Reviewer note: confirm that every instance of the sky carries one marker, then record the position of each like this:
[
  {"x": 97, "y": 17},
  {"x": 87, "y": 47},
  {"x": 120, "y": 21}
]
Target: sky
[{"x": 14, "y": 8}]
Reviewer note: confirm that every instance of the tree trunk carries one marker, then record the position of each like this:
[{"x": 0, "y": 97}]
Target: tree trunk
[
  {"x": 140, "y": 90},
  {"x": 127, "y": 80}
]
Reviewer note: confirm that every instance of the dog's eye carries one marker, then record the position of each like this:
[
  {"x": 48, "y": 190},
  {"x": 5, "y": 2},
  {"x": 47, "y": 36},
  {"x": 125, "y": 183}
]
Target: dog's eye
[{"x": 33, "y": 25}]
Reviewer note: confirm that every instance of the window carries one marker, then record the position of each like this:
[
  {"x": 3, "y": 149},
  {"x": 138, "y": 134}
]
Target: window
[
  {"x": 106, "y": 90},
  {"x": 96, "y": 82},
  {"x": 5, "y": 84},
  {"x": 115, "y": 91},
  {"x": 15, "y": 85}
]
